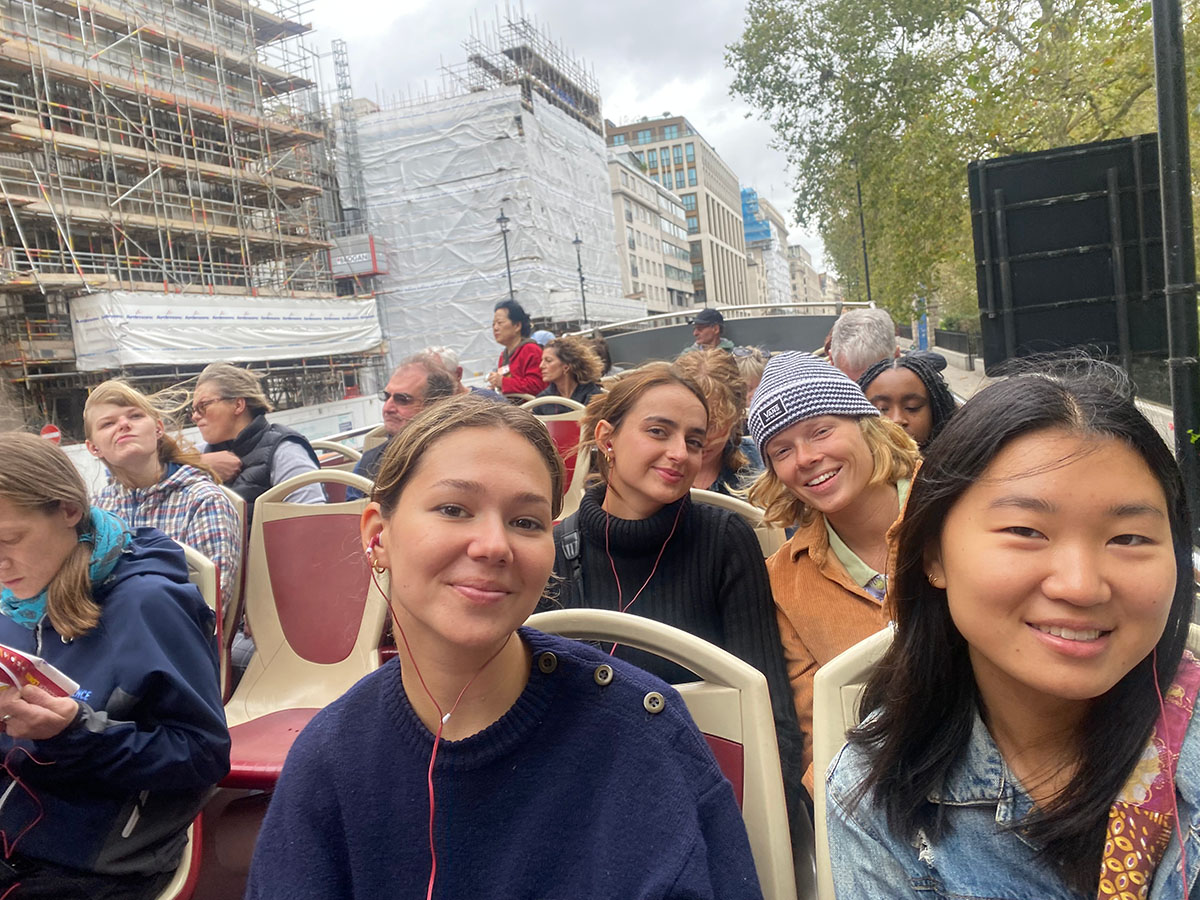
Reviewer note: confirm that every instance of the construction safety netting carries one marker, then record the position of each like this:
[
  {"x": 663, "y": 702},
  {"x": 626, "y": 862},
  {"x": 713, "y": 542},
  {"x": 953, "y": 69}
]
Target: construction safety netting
[
  {"x": 113, "y": 329},
  {"x": 437, "y": 175}
]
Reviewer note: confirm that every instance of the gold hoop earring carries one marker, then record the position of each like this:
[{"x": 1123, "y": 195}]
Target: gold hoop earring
[
  {"x": 375, "y": 566},
  {"x": 934, "y": 579}
]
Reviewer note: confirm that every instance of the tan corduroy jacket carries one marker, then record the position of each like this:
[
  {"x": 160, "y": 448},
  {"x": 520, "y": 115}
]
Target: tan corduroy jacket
[{"x": 821, "y": 613}]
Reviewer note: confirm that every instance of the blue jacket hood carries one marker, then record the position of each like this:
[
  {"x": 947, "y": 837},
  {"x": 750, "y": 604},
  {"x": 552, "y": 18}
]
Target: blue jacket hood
[{"x": 153, "y": 553}]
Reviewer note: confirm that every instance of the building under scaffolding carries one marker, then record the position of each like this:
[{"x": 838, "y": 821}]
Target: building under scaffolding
[
  {"x": 165, "y": 189},
  {"x": 516, "y": 130}
]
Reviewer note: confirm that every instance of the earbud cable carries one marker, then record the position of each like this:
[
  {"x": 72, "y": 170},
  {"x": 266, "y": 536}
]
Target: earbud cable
[{"x": 443, "y": 719}]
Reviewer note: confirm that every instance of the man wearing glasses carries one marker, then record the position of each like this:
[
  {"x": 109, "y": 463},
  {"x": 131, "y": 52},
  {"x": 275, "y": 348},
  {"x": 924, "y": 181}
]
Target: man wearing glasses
[{"x": 416, "y": 383}]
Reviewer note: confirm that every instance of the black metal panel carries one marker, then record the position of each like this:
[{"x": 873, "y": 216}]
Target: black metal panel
[
  {"x": 1068, "y": 250},
  {"x": 787, "y": 332}
]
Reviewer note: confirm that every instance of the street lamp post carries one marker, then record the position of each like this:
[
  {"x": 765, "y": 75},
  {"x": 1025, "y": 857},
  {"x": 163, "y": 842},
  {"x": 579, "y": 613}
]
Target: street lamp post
[
  {"x": 862, "y": 230},
  {"x": 579, "y": 259},
  {"x": 502, "y": 221}
]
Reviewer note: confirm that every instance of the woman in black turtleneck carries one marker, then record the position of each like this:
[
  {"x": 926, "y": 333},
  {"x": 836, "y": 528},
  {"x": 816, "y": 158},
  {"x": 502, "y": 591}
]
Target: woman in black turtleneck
[{"x": 645, "y": 548}]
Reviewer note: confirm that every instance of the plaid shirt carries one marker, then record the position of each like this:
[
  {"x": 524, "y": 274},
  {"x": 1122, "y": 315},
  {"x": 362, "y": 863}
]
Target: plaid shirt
[{"x": 187, "y": 506}]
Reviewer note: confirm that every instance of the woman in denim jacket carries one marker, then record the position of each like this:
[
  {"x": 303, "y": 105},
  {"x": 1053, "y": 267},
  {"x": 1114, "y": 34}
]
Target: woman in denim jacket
[{"x": 1029, "y": 730}]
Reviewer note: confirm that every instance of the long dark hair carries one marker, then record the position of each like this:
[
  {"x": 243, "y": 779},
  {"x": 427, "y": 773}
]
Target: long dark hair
[
  {"x": 923, "y": 693},
  {"x": 941, "y": 401}
]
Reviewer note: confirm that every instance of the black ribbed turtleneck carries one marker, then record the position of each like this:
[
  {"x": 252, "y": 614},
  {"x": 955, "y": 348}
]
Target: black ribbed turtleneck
[{"x": 711, "y": 582}]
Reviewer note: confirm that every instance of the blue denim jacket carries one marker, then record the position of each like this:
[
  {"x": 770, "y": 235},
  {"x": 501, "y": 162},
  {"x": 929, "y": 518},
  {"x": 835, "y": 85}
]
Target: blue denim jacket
[{"x": 978, "y": 857}]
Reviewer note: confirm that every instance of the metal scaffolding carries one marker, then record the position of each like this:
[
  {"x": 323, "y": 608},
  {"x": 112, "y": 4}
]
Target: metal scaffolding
[{"x": 176, "y": 146}]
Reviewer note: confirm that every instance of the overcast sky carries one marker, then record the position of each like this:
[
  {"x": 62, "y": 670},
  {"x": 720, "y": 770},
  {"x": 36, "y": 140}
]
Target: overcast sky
[{"x": 648, "y": 57}]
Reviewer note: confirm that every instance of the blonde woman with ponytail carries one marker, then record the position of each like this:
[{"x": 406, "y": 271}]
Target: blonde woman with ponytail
[
  {"x": 98, "y": 787},
  {"x": 155, "y": 480}
]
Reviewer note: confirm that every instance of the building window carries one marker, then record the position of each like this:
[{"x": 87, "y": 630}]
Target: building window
[
  {"x": 644, "y": 136},
  {"x": 630, "y": 236},
  {"x": 678, "y": 155},
  {"x": 652, "y": 159},
  {"x": 641, "y": 157},
  {"x": 691, "y": 152},
  {"x": 618, "y": 140},
  {"x": 692, "y": 176},
  {"x": 697, "y": 273},
  {"x": 693, "y": 223},
  {"x": 670, "y": 131},
  {"x": 679, "y": 178},
  {"x": 689, "y": 201},
  {"x": 624, "y": 180}
]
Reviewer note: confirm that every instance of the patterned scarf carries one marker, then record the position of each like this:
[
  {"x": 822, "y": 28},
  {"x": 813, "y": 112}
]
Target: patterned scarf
[
  {"x": 1143, "y": 816},
  {"x": 109, "y": 536}
]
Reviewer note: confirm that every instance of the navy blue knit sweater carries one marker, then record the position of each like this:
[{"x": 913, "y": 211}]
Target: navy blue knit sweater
[{"x": 577, "y": 791}]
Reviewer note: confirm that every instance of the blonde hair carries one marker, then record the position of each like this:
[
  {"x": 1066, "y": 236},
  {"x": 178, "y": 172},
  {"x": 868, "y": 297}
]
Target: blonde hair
[
  {"x": 612, "y": 407},
  {"x": 717, "y": 375},
  {"x": 37, "y": 476},
  {"x": 236, "y": 383},
  {"x": 893, "y": 452},
  {"x": 751, "y": 364},
  {"x": 162, "y": 407},
  {"x": 453, "y": 414}
]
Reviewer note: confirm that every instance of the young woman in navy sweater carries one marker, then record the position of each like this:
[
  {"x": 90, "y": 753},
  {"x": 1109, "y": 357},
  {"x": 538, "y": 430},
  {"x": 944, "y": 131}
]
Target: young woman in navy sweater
[{"x": 491, "y": 759}]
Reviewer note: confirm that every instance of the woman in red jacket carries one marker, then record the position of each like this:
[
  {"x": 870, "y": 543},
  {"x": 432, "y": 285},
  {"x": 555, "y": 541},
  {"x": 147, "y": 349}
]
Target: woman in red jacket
[{"x": 519, "y": 369}]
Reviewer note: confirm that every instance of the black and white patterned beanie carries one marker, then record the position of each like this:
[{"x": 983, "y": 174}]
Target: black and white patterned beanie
[{"x": 798, "y": 386}]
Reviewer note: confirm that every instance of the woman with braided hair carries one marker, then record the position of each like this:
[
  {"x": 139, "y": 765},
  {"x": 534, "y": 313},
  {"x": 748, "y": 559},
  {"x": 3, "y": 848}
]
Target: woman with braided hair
[{"x": 911, "y": 391}]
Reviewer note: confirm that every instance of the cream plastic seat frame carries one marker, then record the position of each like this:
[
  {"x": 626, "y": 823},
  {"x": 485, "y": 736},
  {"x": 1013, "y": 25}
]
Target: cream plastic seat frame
[
  {"x": 574, "y": 494},
  {"x": 202, "y": 572},
  {"x": 770, "y": 537},
  {"x": 837, "y": 691},
  {"x": 373, "y": 438},
  {"x": 350, "y": 455},
  {"x": 731, "y": 702},
  {"x": 572, "y": 406},
  {"x": 277, "y": 677}
]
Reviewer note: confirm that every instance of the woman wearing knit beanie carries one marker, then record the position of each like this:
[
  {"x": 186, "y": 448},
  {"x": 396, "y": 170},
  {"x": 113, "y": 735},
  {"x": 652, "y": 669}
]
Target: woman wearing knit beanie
[
  {"x": 839, "y": 471},
  {"x": 638, "y": 544}
]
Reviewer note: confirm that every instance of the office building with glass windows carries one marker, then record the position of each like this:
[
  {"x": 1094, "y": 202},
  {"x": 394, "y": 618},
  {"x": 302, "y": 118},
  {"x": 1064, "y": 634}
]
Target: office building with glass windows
[
  {"x": 673, "y": 154},
  {"x": 652, "y": 238}
]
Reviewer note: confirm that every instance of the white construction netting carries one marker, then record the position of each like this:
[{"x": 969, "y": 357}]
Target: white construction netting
[
  {"x": 130, "y": 328},
  {"x": 437, "y": 175}
]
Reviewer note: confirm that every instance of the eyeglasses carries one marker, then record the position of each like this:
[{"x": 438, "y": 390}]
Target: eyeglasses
[
  {"x": 199, "y": 409},
  {"x": 400, "y": 399}
]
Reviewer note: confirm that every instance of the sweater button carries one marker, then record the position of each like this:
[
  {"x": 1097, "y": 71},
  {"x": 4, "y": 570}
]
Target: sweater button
[
  {"x": 654, "y": 703},
  {"x": 547, "y": 662},
  {"x": 603, "y": 675}
]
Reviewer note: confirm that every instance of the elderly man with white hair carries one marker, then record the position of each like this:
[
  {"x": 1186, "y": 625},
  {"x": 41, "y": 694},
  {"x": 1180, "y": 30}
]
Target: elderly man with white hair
[
  {"x": 861, "y": 338},
  {"x": 449, "y": 361}
]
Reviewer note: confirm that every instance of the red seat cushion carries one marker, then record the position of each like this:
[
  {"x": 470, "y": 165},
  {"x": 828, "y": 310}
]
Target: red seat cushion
[
  {"x": 261, "y": 745},
  {"x": 319, "y": 577},
  {"x": 565, "y": 435},
  {"x": 731, "y": 757}
]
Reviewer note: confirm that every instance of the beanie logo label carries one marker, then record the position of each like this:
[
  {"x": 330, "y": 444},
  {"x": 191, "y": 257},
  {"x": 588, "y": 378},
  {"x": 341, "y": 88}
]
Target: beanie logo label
[{"x": 772, "y": 412}]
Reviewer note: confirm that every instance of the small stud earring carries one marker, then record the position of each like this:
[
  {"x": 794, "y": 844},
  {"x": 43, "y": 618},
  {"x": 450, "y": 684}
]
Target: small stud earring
[{"x": 934, "y": 579}]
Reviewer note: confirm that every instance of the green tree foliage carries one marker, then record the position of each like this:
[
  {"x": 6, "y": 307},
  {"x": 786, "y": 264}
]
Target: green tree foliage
[{"x": 902, "y": 94}]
